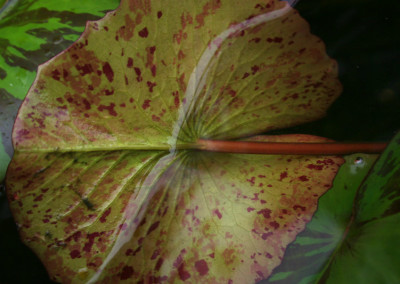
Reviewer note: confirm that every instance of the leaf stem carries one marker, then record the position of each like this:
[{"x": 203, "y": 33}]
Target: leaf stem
[{"x": 271, "y": 148}]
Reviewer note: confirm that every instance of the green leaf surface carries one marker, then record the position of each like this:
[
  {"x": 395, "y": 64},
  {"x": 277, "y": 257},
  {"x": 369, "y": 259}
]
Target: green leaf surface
[
  {"x": 8, "y": 111},
  {"x": 354, "y": 235},
  {"x": 34, "y": 31},
  {"x": 115, "y": 189},
  {"x": 31, "y": 32}
]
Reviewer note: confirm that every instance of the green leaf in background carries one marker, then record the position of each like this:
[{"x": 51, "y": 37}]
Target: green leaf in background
[
  {"x": 2, "y": 3},
  {"x": 8, "y": 110},
  {"x": 31, "y": 32},
  {"x": 305, "y": 257},
  {"x": 34, "y": 31},
  {"x": 354, "y": 237}
]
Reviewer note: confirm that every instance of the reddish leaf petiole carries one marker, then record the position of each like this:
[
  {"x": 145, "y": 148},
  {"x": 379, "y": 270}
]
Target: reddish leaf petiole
[{"x": 330, "y": 148}]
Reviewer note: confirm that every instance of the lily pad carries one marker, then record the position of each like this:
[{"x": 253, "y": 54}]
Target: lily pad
[{"x": 116, "y": 189}]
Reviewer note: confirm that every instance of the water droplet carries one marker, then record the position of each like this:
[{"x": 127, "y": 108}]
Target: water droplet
[
  {"x": 19, "y": 226},
  {"x": 358, "y": 161},
  {"x": 357, "y": 164}
]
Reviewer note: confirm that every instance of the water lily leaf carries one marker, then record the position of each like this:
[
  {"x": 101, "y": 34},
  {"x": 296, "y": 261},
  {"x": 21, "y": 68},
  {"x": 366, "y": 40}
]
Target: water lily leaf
[
  {"x": 31, "y": 32},
  {"x": 115, "y": 188},
  {"x": 358, "y": 241},
  {"x": 8, "y": 111}
]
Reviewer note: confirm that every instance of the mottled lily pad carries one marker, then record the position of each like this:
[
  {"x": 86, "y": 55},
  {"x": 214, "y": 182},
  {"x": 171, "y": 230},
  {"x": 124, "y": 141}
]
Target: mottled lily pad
[{"x": 115, "y": 189}]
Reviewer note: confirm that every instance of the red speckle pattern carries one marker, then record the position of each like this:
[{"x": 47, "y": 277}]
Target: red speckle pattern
[
  {"x": 183, "y": 274},
  {"x": 266, "y": 213},
  {"x": 104, "y": 216},
  {"x": 144, "y": 32},
  {"x": 130, "y": 62},
  {"x": 127, "y": 272},
  {"x": 283, "y": 175},
  {"x": 109, "y": 108},
  {"x": 218, "y": 214},
  {"x": 146, "y": 104},
  {"x": 108, "y": 71},
  {"x": 201, "y": 267},
  {"x": 75, "y": 254}
]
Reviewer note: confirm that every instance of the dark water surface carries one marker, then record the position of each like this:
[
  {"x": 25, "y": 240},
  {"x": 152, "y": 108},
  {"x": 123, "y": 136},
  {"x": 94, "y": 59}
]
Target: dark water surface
[{"x": 362, "y": 35}]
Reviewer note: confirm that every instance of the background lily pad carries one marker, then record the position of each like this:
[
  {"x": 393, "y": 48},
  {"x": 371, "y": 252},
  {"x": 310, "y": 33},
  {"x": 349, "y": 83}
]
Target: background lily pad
[
  {"x": 34, "y": 31},
  {"x": 306, "y": 256},
  {"x": 354, "y": 237}
]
